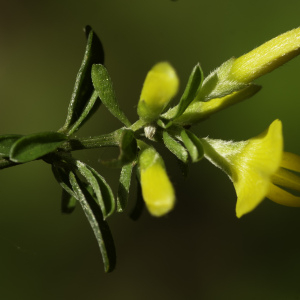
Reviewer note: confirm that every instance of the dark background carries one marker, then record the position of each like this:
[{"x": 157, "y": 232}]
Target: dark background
[{"x": 200, "y": 250}]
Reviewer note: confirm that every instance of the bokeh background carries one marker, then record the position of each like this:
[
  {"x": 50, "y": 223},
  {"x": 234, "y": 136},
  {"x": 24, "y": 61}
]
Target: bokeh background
[{"x": 200, "y": 250}]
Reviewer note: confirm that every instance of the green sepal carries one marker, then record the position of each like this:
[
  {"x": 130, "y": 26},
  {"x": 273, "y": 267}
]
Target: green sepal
[
  {"x": 83, "y": 87},
  {"x": 101, "y": 188},
  {"x": 175, "y": 147},
  {"x": 219, "y": 84},
  {"x": 99, "y": 226},
  {"x": 68, "y": 202},
  {"x": 192, "y": 88},
  {"x": 104, "y": 87},
  {"x": 124, "y": 185},
  {"x": 128, "y": 150},
  {"x": 33, "y": 146},
  {"x": 193, "y": 145},
  {"x": 6, "y": 142}
]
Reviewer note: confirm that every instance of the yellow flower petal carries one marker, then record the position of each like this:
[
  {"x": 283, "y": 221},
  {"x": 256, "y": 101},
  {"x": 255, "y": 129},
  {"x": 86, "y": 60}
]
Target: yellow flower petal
[
  {"x": 249, "y": 164},
  {"x": 255, "y": 165},
  {"x": 290, "y": 161},
  {"x": 283, "y": 197},
  {"x": 286, "y": 179}
]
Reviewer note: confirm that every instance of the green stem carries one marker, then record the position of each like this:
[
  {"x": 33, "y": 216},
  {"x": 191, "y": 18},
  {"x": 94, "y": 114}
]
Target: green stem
[
  {"x": 105, "y": 140},
  {"x": 138, "y": 125}
]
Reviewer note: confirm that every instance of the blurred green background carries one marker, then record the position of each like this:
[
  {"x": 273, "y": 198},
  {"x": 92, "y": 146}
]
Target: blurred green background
[{"x": 200, "y": 250}]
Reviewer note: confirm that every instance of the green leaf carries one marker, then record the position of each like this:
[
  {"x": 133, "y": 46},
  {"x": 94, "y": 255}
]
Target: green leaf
[
  {"x": 175, "y": 147},
  {"x": 68, "y": 202},
  {"x": 99, "y": 226},
  {"x": 191, "y": 90},
  {"x": 83, "y": 88},
  {"x": 124, "y": 185},
  {"x": 128, "y": 150},
  {"x": 6, "y": 142},
  {"x": 102, "y": 190},
  {"x": 92, "y": 105},
  {"x": 62, "y": 177},
  {"x": 104, "y": 87},
  {"x": 193, "y": 145},
  {"x": 33, "y": 146}
]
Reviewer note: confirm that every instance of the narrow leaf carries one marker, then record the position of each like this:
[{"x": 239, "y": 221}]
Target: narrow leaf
[
  {"x": 103, "y": 85},
  {"x": 99, "y": 226},
  {"x": 193, "y": 145},
  {"x": 190, "y": 92},
  {"x": 124, "y": 185},
  {"x": 68, "y": 202},
  {"x": 35, "y": 145},
  {"x": 102, "y": 190},
  {"x": 62, "y": 177},
  {"x": 175, "y": 147},
  {"x": 6, "y": 142},
  {"x": 83, "y": 88}
]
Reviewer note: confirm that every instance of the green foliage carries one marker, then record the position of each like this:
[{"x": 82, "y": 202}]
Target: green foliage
[
  {"x": 33, "y": 146},
  {"x": 96, "y": 220},
  {"x": 192, "y": 88},
  {"x": 103, "y": 86},
  {"x": 83, "y": 88},
  {"x": 6, "y": 142},
  {"x": 193, "y": 145}
]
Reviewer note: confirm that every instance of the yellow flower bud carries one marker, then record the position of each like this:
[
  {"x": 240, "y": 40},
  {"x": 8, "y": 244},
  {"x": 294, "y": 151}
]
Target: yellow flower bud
[
  {"x": 160, "y": 86},
  {"x": 157, "y": 190},
  {"x": 266, "y": 57}
]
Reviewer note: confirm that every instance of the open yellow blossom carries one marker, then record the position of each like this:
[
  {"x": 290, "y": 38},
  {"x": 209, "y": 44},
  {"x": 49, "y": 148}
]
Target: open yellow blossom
[
  {"x": 160, "y": 86},
  {"x": 157, "y": 189},
  {"x": 256, "y": 167}
]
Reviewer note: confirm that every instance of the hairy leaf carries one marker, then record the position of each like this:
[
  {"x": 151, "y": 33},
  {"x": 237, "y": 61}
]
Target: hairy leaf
[
  {"x": 102, "y": 190},
  {"x": 33, "y": 146},
  {"x": 6, "y": 142},
  {"x": 68, "y": 202},
  {"x": 193, "y": 145},
  {"x": 190, "y": 92},
  {"x": 83, "y": 87},
  {"x": 124, "y": 185},
  {"x": 104, "y": 87},
  {"x": 175, "y": 147},
  {"x": 99, "y": 226}
]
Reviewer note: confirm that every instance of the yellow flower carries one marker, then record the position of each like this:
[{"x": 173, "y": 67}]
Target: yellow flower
[
  {"x": 256, "y": 167},
  {"x": 157, "y": 190},
  {"x": 160, "y": 86}
]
